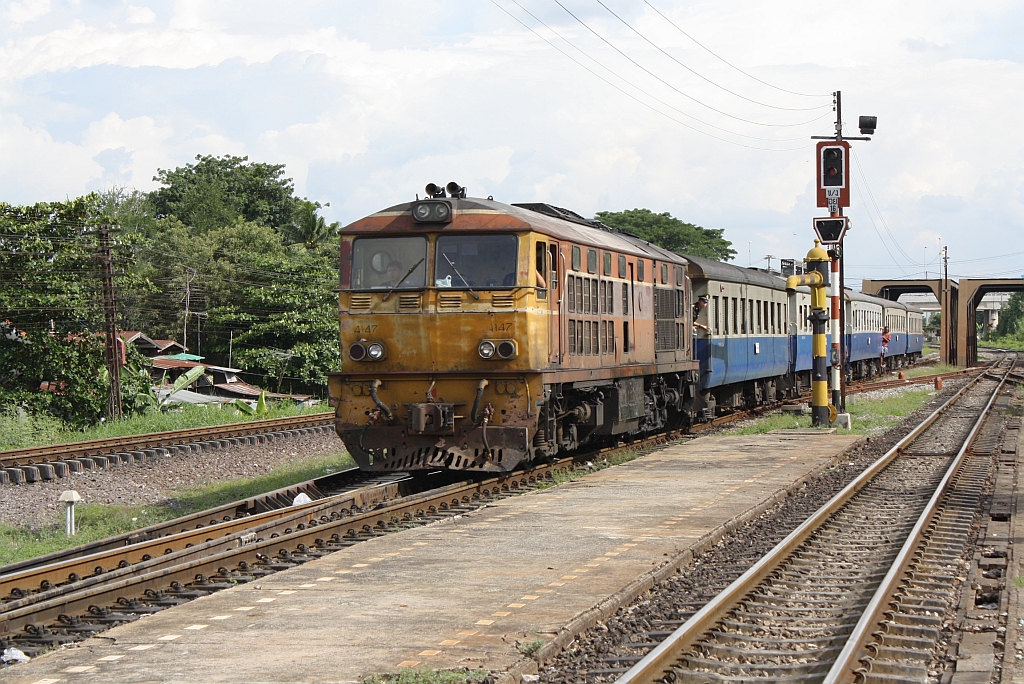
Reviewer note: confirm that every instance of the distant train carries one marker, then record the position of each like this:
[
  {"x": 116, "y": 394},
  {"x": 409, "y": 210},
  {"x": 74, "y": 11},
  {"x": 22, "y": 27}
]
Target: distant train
[
  {"x": 758, "y": 344},
  {"x": 478, "y": 335}
]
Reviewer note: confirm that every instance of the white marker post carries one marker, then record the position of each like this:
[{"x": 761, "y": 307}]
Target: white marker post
[{"x": 69, "y": 499}]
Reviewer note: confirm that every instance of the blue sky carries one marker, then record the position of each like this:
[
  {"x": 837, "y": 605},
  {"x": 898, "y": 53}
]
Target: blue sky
[{"x": 367, "y": 102}]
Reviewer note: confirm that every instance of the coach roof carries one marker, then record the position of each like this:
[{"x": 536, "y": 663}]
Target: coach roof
[
  {"x": 701, "y": 268},
  {"x": 474, "y": 214}
]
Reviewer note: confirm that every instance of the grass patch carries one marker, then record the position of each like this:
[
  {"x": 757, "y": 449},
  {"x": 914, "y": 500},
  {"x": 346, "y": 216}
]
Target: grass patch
[
  {"x": 869, "y": 416},
  {"x": 929, "y": 370},
  {"x": 425, "y": 675},
  {"x": 18, "y": 431},
  {"x": 616, "y": 457},
  {"x": 99, "y": 521},
  {"x": 1003, "y": 343},
  {"x": 529, "y": 648}
]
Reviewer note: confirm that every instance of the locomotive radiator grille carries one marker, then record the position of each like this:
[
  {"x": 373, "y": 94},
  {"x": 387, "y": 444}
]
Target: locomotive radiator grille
[
  {"x": 503, "y": 301},
  {"x": 409, "y": 301},
  {"x": 359, "y": 302},
  {"x": 449, "y": 300}
]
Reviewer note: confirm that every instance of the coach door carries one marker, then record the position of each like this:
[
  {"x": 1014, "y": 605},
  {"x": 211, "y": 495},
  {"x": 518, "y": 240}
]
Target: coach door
[{"x": 556, "y": 283}]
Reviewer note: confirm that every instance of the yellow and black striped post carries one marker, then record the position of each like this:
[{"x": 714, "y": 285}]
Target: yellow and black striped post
[{"x": 816, "y": 278}]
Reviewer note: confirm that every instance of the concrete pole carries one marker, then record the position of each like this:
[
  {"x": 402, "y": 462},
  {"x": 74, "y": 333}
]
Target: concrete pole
[{"x": 835, "y": 333}]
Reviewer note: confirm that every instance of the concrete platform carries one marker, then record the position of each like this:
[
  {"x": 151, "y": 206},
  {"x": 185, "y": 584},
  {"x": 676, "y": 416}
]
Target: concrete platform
[{"x": 461, "y": 592}]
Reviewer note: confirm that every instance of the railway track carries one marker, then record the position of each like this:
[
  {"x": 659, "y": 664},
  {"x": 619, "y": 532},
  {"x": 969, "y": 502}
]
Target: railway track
[
  {"x": 34, "y": 464},
  {"x": 90, "y": 590},
  {"x": 858, "y": 591}
]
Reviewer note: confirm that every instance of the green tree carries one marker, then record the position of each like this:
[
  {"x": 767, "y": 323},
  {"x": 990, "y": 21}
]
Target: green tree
[
  {"x": 308, "y": 228},
  {"x": 670, "y": 233},
  {"x": 73, "y": 368},
  {"x": 1011, "y": 316},
  {"x": 49, "y": 277},
  {"x": 217, "y": 191}
]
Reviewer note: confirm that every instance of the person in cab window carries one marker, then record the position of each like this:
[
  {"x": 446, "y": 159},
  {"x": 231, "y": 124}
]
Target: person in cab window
[
  {"x": 395, "y": 274},
  {"x": 700, "y": 305}
]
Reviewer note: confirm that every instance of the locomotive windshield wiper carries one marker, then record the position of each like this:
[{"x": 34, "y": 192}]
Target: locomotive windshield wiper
[
  {"x": 407, "y": 274},
  {"x": 475, "y": 295}
]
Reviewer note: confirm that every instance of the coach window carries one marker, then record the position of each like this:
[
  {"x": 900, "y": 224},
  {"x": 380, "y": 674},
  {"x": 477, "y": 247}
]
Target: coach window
[
  {"x": 607, "y": 263},
  {"x": 725, "y": 315},
  {"x": 743, "y": 316},
  {"x": 542, "y": 268},
  {"x": 714, "y": 306},
  {"x": 591, "y": 261},
  {"x": 640, "y": 270},
  {"x": 383, "y": 263},
  {"x": 575, "y": 258},
  {"x": 735, "y": 317}
]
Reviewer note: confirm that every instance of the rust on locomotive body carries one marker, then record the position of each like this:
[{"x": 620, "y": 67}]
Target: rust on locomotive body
[{"x": 477, "y": 335}]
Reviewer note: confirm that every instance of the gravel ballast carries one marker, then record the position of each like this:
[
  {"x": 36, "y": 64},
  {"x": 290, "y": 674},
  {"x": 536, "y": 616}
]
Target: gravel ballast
[
  {"x": 603, "y": 652},
  {"x": 155, "y": 481}
]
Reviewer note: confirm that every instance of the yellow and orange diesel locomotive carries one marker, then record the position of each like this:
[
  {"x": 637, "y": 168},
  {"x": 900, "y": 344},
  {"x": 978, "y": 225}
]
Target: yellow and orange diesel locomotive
[{"x": 478, "y": 335}]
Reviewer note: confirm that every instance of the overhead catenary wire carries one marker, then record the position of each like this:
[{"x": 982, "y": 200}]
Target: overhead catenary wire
[
  {"x": 669, "y": 85},
  {"x": 702, "y": 76},
  {"x": 636, "y": 87},
  {"x": 722, "y": 59},
  {"x": 631, "y": 95},
  {"x": 871, "y": 197}
]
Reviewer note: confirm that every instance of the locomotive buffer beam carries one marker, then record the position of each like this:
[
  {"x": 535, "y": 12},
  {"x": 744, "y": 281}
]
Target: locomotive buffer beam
[{"x": 393, "y": 449}]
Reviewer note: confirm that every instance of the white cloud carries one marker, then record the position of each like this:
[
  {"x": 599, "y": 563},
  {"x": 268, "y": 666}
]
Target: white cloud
[
  {"x": 139, "y": 15},
  {"x": 366, "y": 105},
  {"x": 27, "y": 10}
]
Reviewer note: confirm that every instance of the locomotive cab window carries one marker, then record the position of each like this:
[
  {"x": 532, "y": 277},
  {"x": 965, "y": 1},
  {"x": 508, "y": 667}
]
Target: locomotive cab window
[
  {"x": 476, "y": 261},
  {"x": 607, "y": 263},
  {"x": 542, "y": 268},
  {"x": 622, "y": 266},
  {"x": 640, "y": 270},
  {"x": 575, "y": 258},
  {"x": 383, "y": 263},
  {"x": 591, "y": 261}
]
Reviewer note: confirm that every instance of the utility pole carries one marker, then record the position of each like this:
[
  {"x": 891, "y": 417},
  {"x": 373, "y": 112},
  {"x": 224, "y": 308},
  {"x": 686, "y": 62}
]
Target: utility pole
[
  {"x": 111, "y": 354},
  {"x": 200, "y": 315},
  {"x": 187, "y": 298},
  {"x": 768, "y": 258}
]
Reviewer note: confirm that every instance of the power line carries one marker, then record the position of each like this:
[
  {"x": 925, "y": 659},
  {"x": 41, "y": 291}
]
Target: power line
[
  {"x": 722, "y": 59},
  {"x": 666, "y": 83},
  {"x": 701, "y": 76},
  {"x": 630, "y": 95}
]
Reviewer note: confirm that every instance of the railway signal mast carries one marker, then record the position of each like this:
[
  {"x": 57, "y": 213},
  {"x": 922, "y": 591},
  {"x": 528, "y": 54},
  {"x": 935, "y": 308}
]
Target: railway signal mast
[{"x": 832, "y": 157}]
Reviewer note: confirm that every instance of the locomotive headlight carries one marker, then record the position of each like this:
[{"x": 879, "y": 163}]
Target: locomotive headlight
[
  {"x": 442, "y": 211},
  {"x": 432, "y": 211},
  {"x": 357, "y": 352},
  {"x": 486, "y": 349},
  {"x": 375, "y": 351},
  {"x": 507, "y": 349}
]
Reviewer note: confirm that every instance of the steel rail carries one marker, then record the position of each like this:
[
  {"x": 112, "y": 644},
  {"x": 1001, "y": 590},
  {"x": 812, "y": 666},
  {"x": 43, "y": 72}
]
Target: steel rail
[
  {"x": 165, "y": 550},
  {"x": 99, "y": 447},
  {"x": 843, "y": 668},
  {"x": 106, "y": 589},
  {"x": 243, "y": 508},
  {"x": 652, "y": 666}
]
